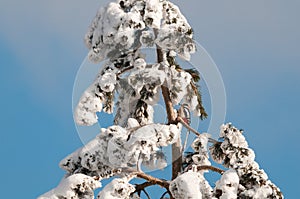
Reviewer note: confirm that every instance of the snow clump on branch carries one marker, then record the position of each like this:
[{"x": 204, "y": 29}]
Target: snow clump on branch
[
  {"x": 190, "y": 184},
  {"x": 117, "y": 147},
  {"x": 98, "y": 97},
  {"x": 138, "y": 90},
  {"x": 227, "y": 186},
  {"x": 77, "y": 186},
  {"x": 116, "y": 189},
  {"x": 235, "y": 154}
]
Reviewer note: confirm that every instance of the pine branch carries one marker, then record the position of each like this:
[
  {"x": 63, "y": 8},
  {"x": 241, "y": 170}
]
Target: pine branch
[
  {"x": 199, "y": 98},
  {"x": 196, "y": 78},
  {"x": 194, "y": 73}
]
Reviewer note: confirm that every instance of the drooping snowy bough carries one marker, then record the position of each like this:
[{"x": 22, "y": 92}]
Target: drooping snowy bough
[{"x": 130, "y": 87}]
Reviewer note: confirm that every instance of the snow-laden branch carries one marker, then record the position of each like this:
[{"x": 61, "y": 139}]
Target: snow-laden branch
[
  {"x": 235, "y": 154},
  {"x": 76, "y": 186},
  {"x": 98, "y": 97},
  {"x": 227, "y": 186},
  {"x": 116, "y": 189},
  {"x": 190, "y": 184},
  {"x": 117, "y": 147},
  {"x": 138, "y": 86}
]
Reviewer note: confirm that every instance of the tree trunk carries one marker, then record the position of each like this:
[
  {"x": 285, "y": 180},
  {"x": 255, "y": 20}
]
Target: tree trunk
[{"x": 176, "y": 147}]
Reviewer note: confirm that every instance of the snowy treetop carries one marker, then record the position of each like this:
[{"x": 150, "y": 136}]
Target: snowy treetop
[
  {"x": 118, "y": 33},
  {"x": 125, "y": 25}
]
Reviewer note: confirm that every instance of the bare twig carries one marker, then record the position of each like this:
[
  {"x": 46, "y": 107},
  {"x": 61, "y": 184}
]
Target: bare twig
[
  {"x": 146, "y": 193},
  {"x": 162, "y": 197}
]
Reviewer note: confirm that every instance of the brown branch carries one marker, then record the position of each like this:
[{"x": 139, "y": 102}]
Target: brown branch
[
  {"x": 212, "y": 168},
  {"x": 124, "y": 70},
  {"x": 207, "y": 167},
  {"x": 143, "y": 186},
  {"x": 152, "y": 180},
  {"x": 176, "y": 159},
  {"x": 140, "y": 187},
  {"x": 176, "y": 147},
  {"x": 169, "y": 105},
  {"x": 179, "y": 119},
  {"x": 165, "y": 92}
]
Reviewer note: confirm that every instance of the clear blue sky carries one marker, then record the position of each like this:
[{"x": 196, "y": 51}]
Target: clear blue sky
[{"x": 254, "y": 43}]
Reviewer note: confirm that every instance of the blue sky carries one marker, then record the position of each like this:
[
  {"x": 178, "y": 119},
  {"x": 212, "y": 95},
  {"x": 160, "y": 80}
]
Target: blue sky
[{"x": 254, "y": 44}]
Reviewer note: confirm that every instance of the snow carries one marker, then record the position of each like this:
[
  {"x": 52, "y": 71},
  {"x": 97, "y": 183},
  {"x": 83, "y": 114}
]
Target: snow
[
  {"x": 116, "y": 189},
  {"x": 107, "y": 82},
  {"x": 228, "y": 185},
  {"x": 153, "y": 13},
  {"x": 175, "y": 32},
  {"x": 190, "y": 185},
  {"x": 235, "y": 154},
  {"x": 147, "y": 38},
  {"x": 89, "y": 104},
  {"x": 140, "y": 64},
  {"x": 118, "y": 28},
  {"x": 186, "y": 186},
  {"x": 97, "y": 96},
  {"x": 177, "y": 82},
  {"x": 117, "y": 147},
  {"x": 132, "y": 123},
  {"x": 200, "y": 157},
  {"x": 77, "y": 186},
  {"x": 193, "y": 184},
  {"x": 147, "y": 82}
]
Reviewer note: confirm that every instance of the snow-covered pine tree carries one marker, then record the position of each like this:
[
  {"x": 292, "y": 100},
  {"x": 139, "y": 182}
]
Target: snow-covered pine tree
[{"x": 130, "y": 86}]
